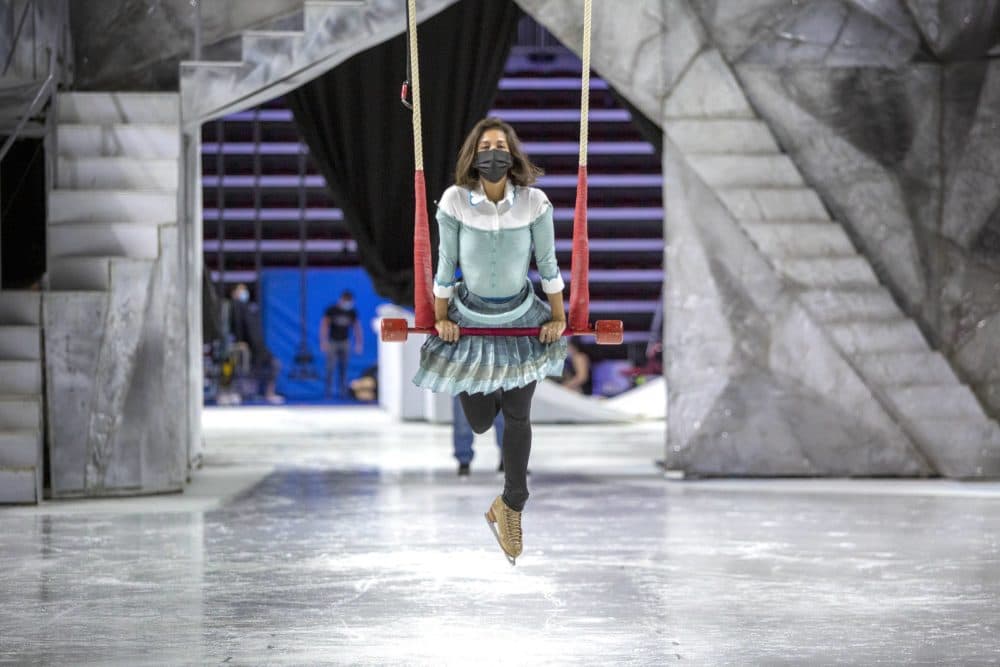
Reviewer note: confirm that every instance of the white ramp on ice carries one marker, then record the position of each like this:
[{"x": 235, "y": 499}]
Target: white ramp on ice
[
  {"x": 553, "y": 404},
  {"x": 647, "y": 401}
]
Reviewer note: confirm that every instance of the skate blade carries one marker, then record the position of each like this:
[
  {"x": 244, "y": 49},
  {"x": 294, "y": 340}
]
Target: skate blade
[{"x": 496, "y": 534}]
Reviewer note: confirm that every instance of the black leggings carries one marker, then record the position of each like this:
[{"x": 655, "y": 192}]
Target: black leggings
[{"x": 482, "y": 409}]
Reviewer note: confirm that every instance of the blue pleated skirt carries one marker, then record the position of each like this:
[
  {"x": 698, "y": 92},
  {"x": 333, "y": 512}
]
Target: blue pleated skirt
[{"x": 483, "y": 364}]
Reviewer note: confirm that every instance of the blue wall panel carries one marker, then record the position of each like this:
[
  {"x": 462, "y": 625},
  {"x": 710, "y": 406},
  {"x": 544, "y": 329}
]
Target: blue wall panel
[{"x": 280, "y": 292}]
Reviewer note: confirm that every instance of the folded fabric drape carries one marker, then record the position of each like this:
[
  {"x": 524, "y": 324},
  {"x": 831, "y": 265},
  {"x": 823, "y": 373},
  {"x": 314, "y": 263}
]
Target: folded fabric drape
[{"x": 360, "y": 136}]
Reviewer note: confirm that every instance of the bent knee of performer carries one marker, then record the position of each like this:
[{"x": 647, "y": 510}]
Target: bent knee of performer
[
  {"x": 479, "y": 422},
  {"x": 479, "y": 411},
  {"x": 481, "y": 427}
]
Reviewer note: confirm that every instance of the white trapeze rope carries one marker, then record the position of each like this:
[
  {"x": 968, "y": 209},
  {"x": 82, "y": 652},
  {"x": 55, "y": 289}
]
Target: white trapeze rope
[{"x": 418, "y": 141}]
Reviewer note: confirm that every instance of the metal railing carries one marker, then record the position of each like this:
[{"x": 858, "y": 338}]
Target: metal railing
[
  {"x": 17, "y": 36},
  {"x": 54, "y": 48}
]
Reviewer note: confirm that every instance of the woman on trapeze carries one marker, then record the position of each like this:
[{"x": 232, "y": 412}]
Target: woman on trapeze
[{"x": 489, "y": 221}]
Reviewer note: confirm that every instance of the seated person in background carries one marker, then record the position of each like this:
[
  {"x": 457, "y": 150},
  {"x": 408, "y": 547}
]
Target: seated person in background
[
  {"x": 247, "y": 329},
  {"x": 576, "y": 371},
  {"x": 365, "y": 387}
]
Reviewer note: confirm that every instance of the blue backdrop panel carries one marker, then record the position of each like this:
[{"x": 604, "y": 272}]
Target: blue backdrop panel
[{"x": 280, "y": 292}]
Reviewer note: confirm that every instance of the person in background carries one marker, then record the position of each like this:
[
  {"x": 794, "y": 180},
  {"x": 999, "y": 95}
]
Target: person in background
[
  {"x": 576, "y": 371},
  {"x": 365, "y": 387},
  {"x": 339, "y": 322},
  {"x": 247, "y": 329}
]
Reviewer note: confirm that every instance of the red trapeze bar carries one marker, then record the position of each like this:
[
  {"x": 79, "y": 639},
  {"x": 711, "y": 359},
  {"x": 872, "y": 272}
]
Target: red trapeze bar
[{"x": 605, "y": 332}]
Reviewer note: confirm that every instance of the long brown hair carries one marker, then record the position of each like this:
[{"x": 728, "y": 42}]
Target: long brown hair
[{"x": 523, "y": 172}]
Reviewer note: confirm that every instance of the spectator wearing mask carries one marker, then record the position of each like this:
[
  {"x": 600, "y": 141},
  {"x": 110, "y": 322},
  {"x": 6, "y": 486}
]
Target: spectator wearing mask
[{"x": 247, "y": 329}]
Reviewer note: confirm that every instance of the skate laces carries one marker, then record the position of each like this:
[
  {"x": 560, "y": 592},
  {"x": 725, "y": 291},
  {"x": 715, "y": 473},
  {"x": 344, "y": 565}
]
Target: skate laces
[{"x": 512, "y": 521}]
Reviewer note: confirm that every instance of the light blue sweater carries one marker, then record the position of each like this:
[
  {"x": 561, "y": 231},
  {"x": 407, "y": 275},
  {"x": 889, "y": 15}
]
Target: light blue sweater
[{"x": 493, "y": 242}]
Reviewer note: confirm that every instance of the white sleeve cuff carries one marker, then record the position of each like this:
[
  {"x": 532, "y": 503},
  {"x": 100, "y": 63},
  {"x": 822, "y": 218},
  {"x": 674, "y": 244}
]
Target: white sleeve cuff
[
  {"x": 442, "y": 292},
  {"x": 554, "y": 285}
]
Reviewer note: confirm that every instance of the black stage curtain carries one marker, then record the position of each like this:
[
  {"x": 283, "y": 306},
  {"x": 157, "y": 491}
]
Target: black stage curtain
[
  {"x": 361, "y": 136},
  {"x": 22, "y": 214}
]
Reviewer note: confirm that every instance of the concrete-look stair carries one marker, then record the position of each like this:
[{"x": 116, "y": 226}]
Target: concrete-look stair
[
  {"x": 117, "y": 173},
  {"x": 732, "y": 150},
  {"x": 112, "y": 265},
  {"x": 116, "y": 184},
  {"x": 119, "y": 109},
  {"x": 21, "y": 397},
  {"x": 324, "y": 33},
  {"x": 89, "y": 274},
  {"x": 146, "y": 140},
  {"x": 103, "y": 240},
  {"x": 269, "y": 56}
]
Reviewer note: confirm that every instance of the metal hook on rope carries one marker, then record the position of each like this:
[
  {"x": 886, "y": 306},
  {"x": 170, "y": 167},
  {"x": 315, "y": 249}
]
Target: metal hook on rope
[{"x": 404, "y": 92}]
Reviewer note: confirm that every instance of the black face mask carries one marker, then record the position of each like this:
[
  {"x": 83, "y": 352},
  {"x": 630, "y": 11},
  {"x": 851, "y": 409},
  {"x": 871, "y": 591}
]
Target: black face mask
[{"x": 493, "y": 165}]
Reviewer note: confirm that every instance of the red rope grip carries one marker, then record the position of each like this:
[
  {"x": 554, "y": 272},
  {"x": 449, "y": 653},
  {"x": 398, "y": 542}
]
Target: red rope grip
[
  {"x": 579, "y": 288},
  {"x": 423, "y": 296}
]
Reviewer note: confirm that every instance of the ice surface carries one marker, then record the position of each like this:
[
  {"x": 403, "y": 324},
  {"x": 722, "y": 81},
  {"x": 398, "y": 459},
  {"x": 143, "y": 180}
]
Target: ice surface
[{"x": 360, "y": 546}]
